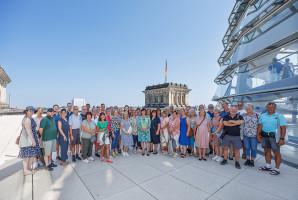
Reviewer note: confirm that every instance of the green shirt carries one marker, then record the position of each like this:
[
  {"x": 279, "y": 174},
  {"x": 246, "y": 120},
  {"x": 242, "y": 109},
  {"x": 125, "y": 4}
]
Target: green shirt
[
  {"x": 103, "y": 125},
  {"x": 49, "y": 128}
]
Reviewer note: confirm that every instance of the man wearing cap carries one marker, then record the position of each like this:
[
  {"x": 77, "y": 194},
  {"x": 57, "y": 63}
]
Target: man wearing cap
[
  {"x": 271, "y": 137},
  {"x": 48, "y": 131}
]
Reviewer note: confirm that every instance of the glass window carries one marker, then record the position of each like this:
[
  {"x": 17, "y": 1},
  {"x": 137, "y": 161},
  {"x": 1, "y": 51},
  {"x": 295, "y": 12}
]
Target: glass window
[{"x": 278, "y": 69}]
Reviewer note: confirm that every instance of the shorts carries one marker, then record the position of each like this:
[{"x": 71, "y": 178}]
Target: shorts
[
  {"x": 270, "y": 143},
  {"x": 49, "y": 147},
  {"x": 100, "y": 138},
  {"x": 76, "y": 137},
  {"x": 235, "y": 140}
]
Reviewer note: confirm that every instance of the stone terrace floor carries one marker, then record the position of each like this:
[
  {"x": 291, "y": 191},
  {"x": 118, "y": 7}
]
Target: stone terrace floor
[{"x": 138, "y": 177}]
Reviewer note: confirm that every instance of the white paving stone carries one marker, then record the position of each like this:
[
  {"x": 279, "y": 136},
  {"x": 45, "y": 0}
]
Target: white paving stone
[
  {"x": 199, "y": 178},
  {"x": 168, "y": 187},
  {"x": 104, "y": 183},
  {"x": 132, "y": 193}
]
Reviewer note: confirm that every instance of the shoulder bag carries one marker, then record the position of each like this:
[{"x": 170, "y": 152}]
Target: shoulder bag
[
  {"x": 24, "y": 140},
  {"x": 190, "y": 133}
]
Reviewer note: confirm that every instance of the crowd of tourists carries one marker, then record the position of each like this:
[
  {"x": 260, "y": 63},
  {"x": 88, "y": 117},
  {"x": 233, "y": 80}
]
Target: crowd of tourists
[{"x": 108, "y": 132}]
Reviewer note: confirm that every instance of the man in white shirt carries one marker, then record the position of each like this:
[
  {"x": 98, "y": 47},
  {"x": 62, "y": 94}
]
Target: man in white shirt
[{"x": 75, "y": 123}]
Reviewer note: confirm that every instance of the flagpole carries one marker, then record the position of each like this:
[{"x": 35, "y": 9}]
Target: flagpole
[{"x": 166, "y": 71}]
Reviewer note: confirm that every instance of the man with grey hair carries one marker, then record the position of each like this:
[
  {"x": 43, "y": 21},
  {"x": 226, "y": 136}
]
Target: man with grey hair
[
  {"x": 232, "y": 124},
  {"x": 75, "y": 123}
]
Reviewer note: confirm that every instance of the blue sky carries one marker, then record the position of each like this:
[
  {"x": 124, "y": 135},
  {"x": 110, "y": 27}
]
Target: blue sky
[{"x": 109, "y": 51}]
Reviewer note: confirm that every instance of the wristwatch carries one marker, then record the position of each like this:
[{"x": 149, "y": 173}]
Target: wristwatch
[{"x": 282, "y": 138}]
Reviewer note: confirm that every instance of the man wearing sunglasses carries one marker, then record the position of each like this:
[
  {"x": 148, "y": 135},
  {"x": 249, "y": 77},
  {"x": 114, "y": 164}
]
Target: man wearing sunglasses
[{"x": 272, "y": 132}]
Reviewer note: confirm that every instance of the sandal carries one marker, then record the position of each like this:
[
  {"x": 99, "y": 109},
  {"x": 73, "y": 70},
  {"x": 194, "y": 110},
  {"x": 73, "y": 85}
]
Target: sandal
[
  {"x": 274, "y": 172},
  {"x": 148, "y": 154},
  {"x": 197, "y": 155},
  {"x": 191, "y": 154},
  {"x": 265, "y": 168},
  {"x": 110, "y": 161},
  {"x": 205, "y": 159},
  {"x": 183, "y": 155},
  {"x": 155, "y": 153},
  {"x": 28, "y": 173},
  {"x": 200, "y": 159},
  {"x": 102, "y": 159}
]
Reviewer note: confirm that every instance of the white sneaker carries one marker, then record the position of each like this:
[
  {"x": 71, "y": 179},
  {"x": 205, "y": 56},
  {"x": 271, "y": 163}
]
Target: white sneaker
[
  {"x": 126, "y": 154},
  {"x": 215, "y": 157},
  {"x": 86, "y": 161},
  {"x": 90, "y": 159},
  {"x": 35, "y": 165},
  {"x": 123, "y": 154},
  {"x": 218, "y": 159},
  {"x": 40, "y": 163},
  {"x": 175, "y": 155}
]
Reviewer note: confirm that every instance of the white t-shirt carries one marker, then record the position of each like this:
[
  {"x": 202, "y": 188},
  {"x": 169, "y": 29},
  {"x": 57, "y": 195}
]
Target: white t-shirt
[{"x": 241, "y": 112}]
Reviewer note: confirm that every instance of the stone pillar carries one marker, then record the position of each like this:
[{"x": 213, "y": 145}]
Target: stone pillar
[
  {"x": 186, "y": 99},
  {"x": 177, "y": 99},
  {"x": 181, "y": 99},
  {"x": 3, "y": 94},
  {"x": 169, "y": 99}
]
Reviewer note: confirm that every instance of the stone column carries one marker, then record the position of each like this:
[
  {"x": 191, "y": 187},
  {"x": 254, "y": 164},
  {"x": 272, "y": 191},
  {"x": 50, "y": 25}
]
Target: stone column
[
  {"x": 177, "y": 99},
  {"x": 181, "y": 99},
  {"x": 186, "y": 99},
  {"x": 3, "y": 94},
  {"x": 169, "y": 98}
]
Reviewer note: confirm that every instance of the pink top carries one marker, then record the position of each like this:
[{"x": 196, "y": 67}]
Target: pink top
[
  {"x": 174, "y": 123},
  {"x": 109, "y": 120},
  {"x": 163, "y": 121}
]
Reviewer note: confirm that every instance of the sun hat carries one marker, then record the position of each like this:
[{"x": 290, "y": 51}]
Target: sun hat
[{"x": 29, "y": 108}]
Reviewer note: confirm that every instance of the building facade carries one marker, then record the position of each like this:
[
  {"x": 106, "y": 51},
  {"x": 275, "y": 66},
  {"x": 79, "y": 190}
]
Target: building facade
[
  {"x": 4, "y": 80},
  {"x": 78, "y": 102},
  {"x": 167, "y": 94},
  {"x": 259, "y": 63}
]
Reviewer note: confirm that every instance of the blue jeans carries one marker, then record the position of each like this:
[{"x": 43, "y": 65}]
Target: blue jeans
[
  {"x": 250, "y": 146},
  {"x": 135, "y": 140},
  {"x": 115, "y": 140}
]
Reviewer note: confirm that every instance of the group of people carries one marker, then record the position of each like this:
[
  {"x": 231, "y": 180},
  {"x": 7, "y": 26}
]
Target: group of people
[{"x": 113, "y": 131}]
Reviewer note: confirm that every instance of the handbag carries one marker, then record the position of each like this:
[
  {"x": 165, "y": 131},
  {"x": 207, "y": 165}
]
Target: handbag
[
  {"x": 93, "y": 138},
  {"x": 129, "y": 130},
  {"x": 190, "y": 133},
  {"x": 23, "y": 139},
  {"x": 278, "y": 133}
]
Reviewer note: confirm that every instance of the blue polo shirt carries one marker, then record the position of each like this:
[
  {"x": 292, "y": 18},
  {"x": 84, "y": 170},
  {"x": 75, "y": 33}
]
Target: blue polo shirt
[
  {"x": 211, "y": 115},
  {"x": 68, "y": 114},
  {"x": 223, "y": 113},
  {"x": 269, "y": 122},
  {"x": 83, "y": 116}
]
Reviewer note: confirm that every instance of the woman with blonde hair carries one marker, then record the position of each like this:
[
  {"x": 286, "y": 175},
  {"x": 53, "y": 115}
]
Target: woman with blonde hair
[
  {"x": 164, "y": 134},
  {"x": 126, "y": 137},
  {"x": 184, "y": 132},
  {"x": 174, "y": 130},
  {"x": 202, "y": 130},
  {"x": 216, "y": 126}
]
